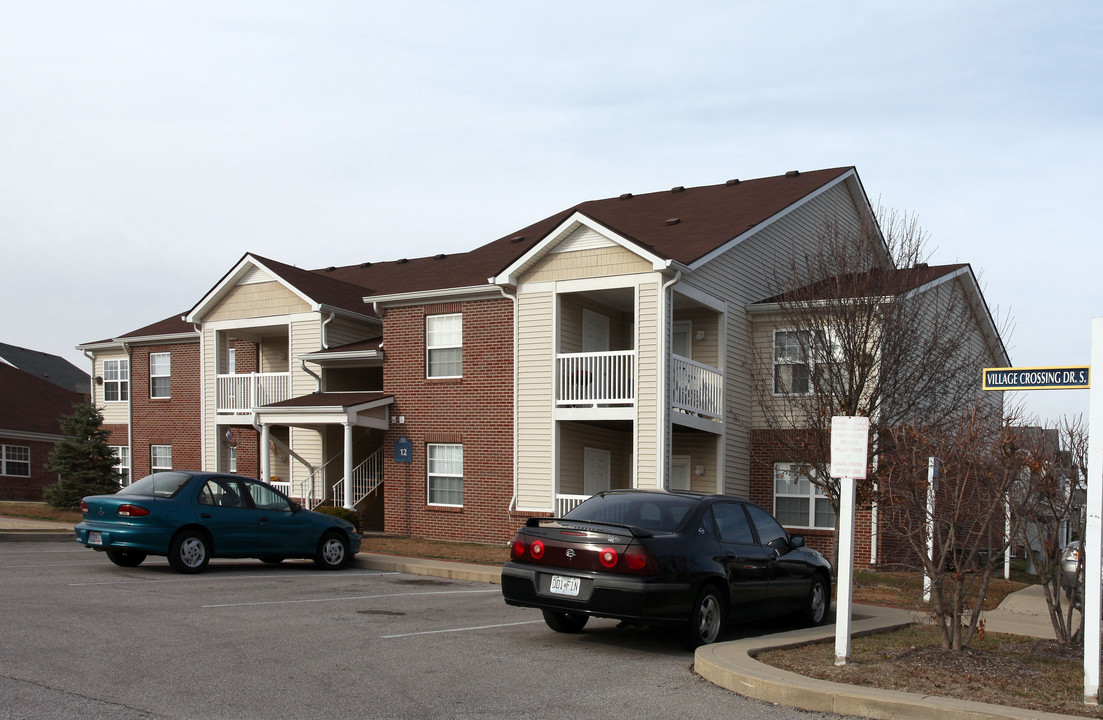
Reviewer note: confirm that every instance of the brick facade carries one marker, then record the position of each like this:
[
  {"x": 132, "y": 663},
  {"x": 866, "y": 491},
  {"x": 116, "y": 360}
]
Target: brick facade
[
  {"x": 15, "y": 487},
  {"x": 173, "y": 421},
  {"x": 475, "y": 411}
]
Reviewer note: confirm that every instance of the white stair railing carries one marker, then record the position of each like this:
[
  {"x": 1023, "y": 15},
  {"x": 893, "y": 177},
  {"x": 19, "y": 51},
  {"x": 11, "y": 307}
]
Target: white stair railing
[{"x": 366, "y": 479}]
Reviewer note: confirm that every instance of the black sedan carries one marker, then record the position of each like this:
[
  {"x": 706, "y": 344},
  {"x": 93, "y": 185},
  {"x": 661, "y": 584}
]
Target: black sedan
[
  {"x": 192, "y": 517},
  {"x": 665, "y": 558}
]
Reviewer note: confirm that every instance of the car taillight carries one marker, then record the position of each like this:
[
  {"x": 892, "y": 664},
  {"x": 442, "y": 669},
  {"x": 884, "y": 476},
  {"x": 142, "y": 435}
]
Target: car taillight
[
  {"x": 608, "y": 557},
  {"x": 638, "y": 560},
  {"x": 536, "y": 550},
  {"x": 520, "y": 547},
  {"x": 132, "y": 511},
  {"x": 517, "y": 548},
  {"x": 83, "y": 506}
]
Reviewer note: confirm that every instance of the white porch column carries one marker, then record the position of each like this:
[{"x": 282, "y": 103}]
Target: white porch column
[
  {"x": 348, "y": 466},
  {"x": 265, "y": 460}
]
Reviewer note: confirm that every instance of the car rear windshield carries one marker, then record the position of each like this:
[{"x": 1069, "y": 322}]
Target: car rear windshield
[
  {"x": 649, "y": 511},
  {"x": 162, "y": 485}
]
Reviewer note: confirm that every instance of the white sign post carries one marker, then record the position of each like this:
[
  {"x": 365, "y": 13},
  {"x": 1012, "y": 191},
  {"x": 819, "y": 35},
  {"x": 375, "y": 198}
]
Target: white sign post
[
  {"x": 849, "y": 452},
  {"x": 1093, "y": 533}
]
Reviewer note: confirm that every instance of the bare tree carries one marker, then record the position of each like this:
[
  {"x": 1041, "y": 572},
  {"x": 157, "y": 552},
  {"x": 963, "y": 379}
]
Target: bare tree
[
  {"x": 1047, "y": 499},
  {"x": 863, "y": 326}
]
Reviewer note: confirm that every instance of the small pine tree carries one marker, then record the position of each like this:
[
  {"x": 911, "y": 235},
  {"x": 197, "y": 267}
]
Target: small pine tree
[{"x": 84, "y": 462}]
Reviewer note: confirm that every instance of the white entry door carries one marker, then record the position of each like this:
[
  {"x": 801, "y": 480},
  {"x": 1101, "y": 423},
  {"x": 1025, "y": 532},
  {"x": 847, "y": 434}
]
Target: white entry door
[
  {"x": 679, "y": 472},
  {"x": 597, "y": 471}
]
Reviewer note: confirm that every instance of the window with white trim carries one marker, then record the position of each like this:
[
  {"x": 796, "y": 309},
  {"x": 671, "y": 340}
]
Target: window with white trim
[
  {"x": 116, "y": 380},
  {"x": 160, "y": 458},
  {"x": 444, "y": 345},
  {"x": 445, "y": 469},
  {"x": 122, "y": 452},
  {"x": 798, "y": 502},
  {"x": 15, "y": 460},
  {"x": 160, "y": 375},
  {"x": 791, "y": 376},
  {"x": 233, "y": 460}
]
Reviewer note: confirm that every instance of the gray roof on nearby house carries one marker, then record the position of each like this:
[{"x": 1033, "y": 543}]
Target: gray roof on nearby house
[{"x": 49, "y": 367}]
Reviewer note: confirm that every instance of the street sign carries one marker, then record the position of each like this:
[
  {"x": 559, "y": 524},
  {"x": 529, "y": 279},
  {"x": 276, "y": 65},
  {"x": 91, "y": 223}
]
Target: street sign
[
  {"x": 1037, "y": 378},
  {"x": 849, "y": 447}
]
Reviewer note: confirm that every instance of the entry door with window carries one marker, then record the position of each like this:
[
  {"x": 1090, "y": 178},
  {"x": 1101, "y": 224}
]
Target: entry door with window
[{"x": 597, "y": 470}]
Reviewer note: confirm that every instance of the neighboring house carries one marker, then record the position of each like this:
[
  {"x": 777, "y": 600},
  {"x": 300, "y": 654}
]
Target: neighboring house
[
  {"x": 42, "y": 365},
  {"x": 31, "y": 410},
  {"x": 606, "y": 346},
  {"x": 147, "y": 385}
]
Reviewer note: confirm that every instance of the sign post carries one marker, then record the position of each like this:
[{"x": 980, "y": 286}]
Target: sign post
[{"x": 849, "y": 453}]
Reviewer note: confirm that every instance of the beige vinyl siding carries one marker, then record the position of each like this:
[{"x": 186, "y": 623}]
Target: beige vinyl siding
[
  {"x": 744, "y": 275},
  {"x": 701, "y": 449},
  {"x": 256, "y": 300},
  {"x": 649, "y": 436},
  {"x": 571, "y": 306},
  {"x": 115, "y": 412},
  {"x": 342, "y": 331},
  {"x": 707, "y": 351},
  {"x": 575, "y": 437},
  {"x": 209, "y": 364},
  {"x": 535, "y": 399},
  {"x": 305, "y": 337},
  {"x": 598, "y": 262}
]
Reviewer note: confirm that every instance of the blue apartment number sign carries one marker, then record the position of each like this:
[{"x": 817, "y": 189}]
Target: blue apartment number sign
[{"x": 403, "y": 450}]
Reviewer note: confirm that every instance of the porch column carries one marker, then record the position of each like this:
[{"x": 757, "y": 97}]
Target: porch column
[
  {"x": 348, "y": 466},
  {"x": 265, "y": 460}
]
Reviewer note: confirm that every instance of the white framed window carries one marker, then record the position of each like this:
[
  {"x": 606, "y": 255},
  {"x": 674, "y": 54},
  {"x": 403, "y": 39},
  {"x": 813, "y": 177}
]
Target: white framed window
[
  {"x": 444, "y": 345},
  {"x": 116, "y": 380},
  {"x": 160, "y": 375},
  {"x": 791, "y": 374},
  {"x": 231, "y": 360},
  {"x": 233, "y": 460},
  {"x": 160, "y": 458},
  {"x": 122, "y": 452},
  {"x": 798, "y": 502},
  {"x": 445, "y": 469},
  {"x": 15, "y": 460}
]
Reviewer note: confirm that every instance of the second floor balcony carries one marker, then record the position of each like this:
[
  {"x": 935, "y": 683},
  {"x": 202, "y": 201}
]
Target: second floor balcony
[{"x": 241, "y": 393}]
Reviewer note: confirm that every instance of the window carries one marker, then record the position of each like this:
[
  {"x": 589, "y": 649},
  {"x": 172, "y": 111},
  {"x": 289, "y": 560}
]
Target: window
[
  {"x": 160, "y": 457},
  {"x": 445, "y": 474},
  {"x": 797, "y": 501},
  {"x": 233, "y": 460},
  {"x": 122, "y": 452},
  {"x": 265, "y": 497},
  {"x": 790, "y": 363},
  {"x": 160, "y": 374},
  {"x": 116, "y": 380},
  {"x": 15, "y": 460},
  {"x": 732, "y": 524},
  {"x": 444, "y": 345}
]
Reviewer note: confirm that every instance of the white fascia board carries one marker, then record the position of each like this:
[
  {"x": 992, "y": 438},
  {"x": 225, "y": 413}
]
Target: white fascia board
[
  {"x": 230, "y": 281},
  {"x": 259, "y": 322},
  {"x": 848, "y": 175},
  {"x": 100, "y": 346},
  {"x": 509, "y": 276},
  {"x": 24, "y": 435},
  {"x": 431, "y": 297},
  {"x": 322, "y": 358},
  {"x": 346, "y": 313},
  {"x": 173, "y": 339}
]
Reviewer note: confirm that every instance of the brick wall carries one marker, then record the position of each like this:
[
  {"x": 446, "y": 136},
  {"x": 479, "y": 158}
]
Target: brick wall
[
  {"x": 475, "y": 411},
  {"x": 171, "y": 421},
  {"x": 14, "y": 487}
]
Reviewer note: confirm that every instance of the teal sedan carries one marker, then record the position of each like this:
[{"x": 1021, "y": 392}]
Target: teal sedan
[{"x": 190, "y": 517}]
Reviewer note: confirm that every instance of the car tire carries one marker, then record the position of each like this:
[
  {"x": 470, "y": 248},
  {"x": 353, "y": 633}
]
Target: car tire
[
  {"x": 270, "y": 560},
  {"x": 333, "y": 551},
  {"x": 706, "y": 621},
  {"x": 565, "y": 622},
  {"x": 126, "y": 558},
  {"x": 189, "y": 552},
  {"x": 817, "y": 603}
]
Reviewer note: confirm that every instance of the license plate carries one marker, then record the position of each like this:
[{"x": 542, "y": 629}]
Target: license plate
[
  {"x": 94, "y": 538},
  {"x": 565, "y": 585}
]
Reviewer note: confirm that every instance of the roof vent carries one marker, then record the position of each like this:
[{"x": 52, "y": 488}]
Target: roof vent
[
  {"x": 626, "y": 196},
  {"x": 440, "y": 256},
  {"x": 366, "y": 264},
  {"x": 733, "y": 181},
  {"x": 330, "y": 268},
  {"x": 922, "y": 265},
  {"x": 403, "y": 260},
  {"x": 792, "y": 173},
  {"x": 678, "y": 189},
  {"x": 673, "y": 221},
  {"x": 517, "y": 238}
]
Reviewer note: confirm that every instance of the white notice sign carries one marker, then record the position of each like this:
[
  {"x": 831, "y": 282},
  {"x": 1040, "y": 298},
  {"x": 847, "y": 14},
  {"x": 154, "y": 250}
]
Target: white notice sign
[{"x": 849, "y": 447}]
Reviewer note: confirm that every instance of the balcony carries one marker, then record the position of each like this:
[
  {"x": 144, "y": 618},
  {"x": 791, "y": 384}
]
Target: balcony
[
  {"x": 697, "y": 389},
  {"x": 240, "y": 394},
  {"x": 596, "y": 379}
]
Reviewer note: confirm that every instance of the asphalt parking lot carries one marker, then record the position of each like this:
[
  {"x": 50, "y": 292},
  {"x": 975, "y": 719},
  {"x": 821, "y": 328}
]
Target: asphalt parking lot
[{"x": 84, "y": 638}]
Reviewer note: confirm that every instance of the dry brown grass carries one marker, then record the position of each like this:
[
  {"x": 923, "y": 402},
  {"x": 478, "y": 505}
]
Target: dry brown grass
[{"x": 38, "y": 511}]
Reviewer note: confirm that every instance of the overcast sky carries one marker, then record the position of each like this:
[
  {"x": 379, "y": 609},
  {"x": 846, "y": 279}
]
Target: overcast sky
[{"x": 145, "y": 147}]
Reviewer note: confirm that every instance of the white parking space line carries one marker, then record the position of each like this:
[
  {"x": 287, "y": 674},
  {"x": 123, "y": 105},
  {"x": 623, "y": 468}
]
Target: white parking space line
[
  {"x": 465, "y": 629},
  {"x": 42, "y": 565},
  {"x": 195, "y": 578},
  {"x": 352, "y": 597}
]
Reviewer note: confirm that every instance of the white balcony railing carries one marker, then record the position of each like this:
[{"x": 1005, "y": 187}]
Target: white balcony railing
[
  {"x": 566, "y": 503},
  {"x": 242, "y": 393},
  {"x": 597, "y": 378},
  {"x": 697, "y": 388}
]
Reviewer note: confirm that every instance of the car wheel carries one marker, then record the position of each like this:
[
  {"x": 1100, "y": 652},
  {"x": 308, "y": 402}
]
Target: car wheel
[
  {"x": 189, "y": 552},
  {"x": 707, "y": 619},
  {"x": 126, "y": 558},
  {"x": 272, "y": 560},
  {"x": 817, "y": 603},
  {"x": 565, "y": 622},
  {"x": 333, "y": 551}
]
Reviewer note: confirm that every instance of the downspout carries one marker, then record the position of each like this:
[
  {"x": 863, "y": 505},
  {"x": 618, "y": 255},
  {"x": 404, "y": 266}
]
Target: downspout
[
  {"x": 664, "y": 364},
  {"x": 130, "y": 412},
  {"x": 513, "y": 297}
]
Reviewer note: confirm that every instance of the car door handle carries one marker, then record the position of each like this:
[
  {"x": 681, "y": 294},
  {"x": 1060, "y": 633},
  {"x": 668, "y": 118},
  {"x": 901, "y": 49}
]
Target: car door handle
[
  {"x": 264, "y": 518},
  {"x": 205, "y": 516}
]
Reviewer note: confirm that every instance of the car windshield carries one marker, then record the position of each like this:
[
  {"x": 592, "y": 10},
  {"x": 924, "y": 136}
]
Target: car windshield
[
  {"x": 162, "y": 485},
  {"x": 651, "y": 511}
]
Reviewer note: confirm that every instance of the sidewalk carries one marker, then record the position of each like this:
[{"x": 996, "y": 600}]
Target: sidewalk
[{"x": 730, "y": 664}]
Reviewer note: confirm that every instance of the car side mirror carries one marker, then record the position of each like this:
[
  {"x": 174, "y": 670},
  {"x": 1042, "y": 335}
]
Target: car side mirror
[
  {"x": 796, "y": 541},
  {"x": 295, "y": 507}
]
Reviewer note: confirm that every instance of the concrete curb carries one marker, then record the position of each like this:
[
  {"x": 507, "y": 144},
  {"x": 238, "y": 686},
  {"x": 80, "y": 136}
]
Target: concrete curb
[
  {"x": 435, "y": 568},
  {"x": 731, "y": 665},
  {"x": 37, "y": 536}
]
